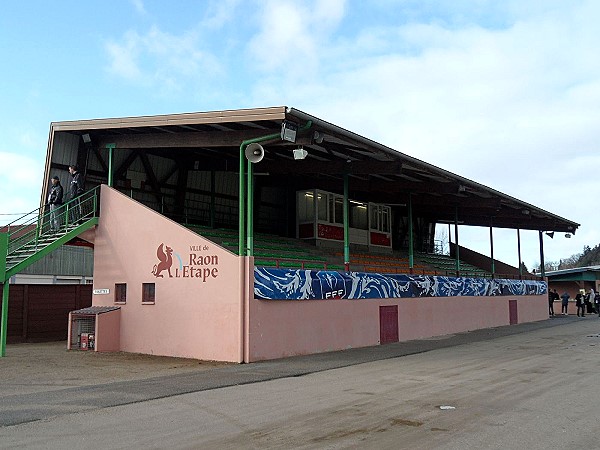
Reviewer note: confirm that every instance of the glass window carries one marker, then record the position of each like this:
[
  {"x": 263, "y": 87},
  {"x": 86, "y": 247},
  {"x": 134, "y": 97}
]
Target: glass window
[
  {"x": 385, "y": 220},
  {"x": 381, "y": 217},
  {"x": 120, "y": 292},
  {"x": 358, "y": 216},
  {"x": 374, "y": 217},
  {"x": 339, "y": 210},
  {"x": 306, "y": 209},
  {"x": 322, "y": 206},
  {"x": 148, "y": 292}
]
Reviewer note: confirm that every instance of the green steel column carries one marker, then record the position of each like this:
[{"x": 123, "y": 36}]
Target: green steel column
[
  {"x": 242, "y": 182},
  {"x": 242, "y": 203},
  {"x": 456, "y": 241},
  {"x": 542, "y": 268},
  {"x": 492, "y": 249},
  {"x": 3, "y": 330},
  {"x": 250, "y": 215},
  {"x": 3, "y": 254},
  {"x": 411, "y": 244},
  {"x": 346, "y": 226},
  {"x": 519, "y": 252},
  {"x": 110, "y": 148}
]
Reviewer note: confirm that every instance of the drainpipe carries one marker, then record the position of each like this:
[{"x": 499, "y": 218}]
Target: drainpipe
[
  {"x": 249, "y": 228},
  {"x": 242, "y": 248},
  {"x": 250, "y": 216},
  {"x": 242, "y": 194}
]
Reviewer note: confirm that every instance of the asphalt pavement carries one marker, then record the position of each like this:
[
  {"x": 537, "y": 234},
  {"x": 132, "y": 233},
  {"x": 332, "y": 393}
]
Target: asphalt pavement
[{"x": 23, "y": 408}]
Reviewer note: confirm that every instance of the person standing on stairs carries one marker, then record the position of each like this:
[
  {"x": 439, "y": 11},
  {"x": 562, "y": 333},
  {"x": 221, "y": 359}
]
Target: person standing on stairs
[
  {"x": 76, "y": 189},
  {"x": 55, "y": 199}
]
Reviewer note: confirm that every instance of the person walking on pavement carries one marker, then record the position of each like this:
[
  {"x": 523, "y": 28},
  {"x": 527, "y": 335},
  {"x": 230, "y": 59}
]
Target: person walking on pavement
[
  {"x": 579, "y": 302},
  {"x": 565, "y": 303},
  {"x": 55, "y": 199},
  {"x": 76, "y": 189}
]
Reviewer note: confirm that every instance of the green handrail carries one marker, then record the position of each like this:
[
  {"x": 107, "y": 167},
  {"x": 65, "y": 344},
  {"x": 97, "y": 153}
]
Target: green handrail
[
  {"x": 36, "y": 234},
  {"x": 30, "y": 233}
]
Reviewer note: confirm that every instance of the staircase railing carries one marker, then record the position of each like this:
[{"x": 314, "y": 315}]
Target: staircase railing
[
  {"x": 32, "y": 236},
  {"x": 32, "y": 229}
]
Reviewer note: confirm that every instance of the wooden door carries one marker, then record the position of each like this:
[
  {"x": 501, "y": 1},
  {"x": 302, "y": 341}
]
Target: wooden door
[
  {"x": 388, "y": 324},
  {"x": 512, "y": 312}
]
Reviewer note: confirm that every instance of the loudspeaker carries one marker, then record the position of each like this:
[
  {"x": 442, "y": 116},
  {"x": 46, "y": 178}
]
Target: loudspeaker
[{"x": 255, "y": 153}]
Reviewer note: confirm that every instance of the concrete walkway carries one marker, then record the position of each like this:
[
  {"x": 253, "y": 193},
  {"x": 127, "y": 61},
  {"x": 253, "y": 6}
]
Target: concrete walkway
[{"x": 22, "y": 408}]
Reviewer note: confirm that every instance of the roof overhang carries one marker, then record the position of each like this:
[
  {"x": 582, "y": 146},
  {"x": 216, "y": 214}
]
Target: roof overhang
[{"x": 376, "y": 172}]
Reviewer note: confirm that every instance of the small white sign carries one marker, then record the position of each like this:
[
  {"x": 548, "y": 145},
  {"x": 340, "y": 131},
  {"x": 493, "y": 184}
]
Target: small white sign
[{"x": 101, "y": 291}]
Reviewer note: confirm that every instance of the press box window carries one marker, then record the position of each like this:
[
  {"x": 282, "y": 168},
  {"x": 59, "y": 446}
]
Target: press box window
[
  {"x": 120, "y": 292},
  {"x": 148, "y": 291}
]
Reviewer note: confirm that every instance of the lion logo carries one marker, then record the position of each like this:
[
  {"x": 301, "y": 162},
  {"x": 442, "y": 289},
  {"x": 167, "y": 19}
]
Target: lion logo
[{"x": 164, "y": 254}]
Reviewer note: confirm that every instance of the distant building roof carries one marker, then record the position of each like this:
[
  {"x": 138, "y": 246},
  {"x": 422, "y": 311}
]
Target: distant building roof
[{"x": 589, "y": 273}]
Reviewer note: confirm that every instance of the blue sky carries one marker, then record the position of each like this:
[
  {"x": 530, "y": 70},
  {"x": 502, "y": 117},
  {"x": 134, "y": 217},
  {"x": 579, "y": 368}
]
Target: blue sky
[{"x": 505, "y": 93}]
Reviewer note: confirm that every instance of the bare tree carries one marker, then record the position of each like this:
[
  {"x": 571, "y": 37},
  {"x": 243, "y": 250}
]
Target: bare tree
[{"x": 442, "y": 244}]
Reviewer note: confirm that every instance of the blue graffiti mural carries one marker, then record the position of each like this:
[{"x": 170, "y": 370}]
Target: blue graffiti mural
[{"x": 286, "y": 284}]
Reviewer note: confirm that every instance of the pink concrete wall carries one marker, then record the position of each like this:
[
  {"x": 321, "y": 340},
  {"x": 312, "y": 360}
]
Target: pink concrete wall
[
  {"x": 285, "y": 328},
  {"x": 109, "y": 339},
  {"x": 195, "y": 317}
]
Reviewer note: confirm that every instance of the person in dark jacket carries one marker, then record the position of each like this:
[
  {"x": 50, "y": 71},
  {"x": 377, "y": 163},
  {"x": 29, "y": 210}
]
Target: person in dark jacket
[
  {"x": 551, "y": 303},
  {"x": 75, "y": 190},
  {"x": 55, "y": 199},
  {"x": 77, "y": 187},
  {"x": 565, "y": 303},
  {"x": 579, "y": 302}
]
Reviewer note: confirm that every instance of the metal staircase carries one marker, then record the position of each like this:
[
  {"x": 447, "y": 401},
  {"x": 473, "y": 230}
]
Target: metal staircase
[{"x": 38, "y": 233}]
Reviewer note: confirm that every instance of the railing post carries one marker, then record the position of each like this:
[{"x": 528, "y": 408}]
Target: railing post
[
  {"x": 3, "y": 254},
  {"x": 66, "y": 217},
  {"x": 95, "y": 203}
]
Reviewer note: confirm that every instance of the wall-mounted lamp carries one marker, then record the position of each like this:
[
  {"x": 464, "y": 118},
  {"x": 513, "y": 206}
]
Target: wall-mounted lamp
[
  {"x": 300, "y": 153},
  {"x": 289, "y": 131}
]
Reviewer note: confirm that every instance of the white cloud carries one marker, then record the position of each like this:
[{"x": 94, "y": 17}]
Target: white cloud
[
  {"x": 503, "y": 93},
  {"x": 139, "y": 6},
  {"x": 162, "y": 60},
  {"x": 514, "y": 107},
  {"x": 219, "y": 13},
  {"x": 124, "y": 57},
  {"x": 291, "y": 33},
  {"x": 21, "y": 181}
]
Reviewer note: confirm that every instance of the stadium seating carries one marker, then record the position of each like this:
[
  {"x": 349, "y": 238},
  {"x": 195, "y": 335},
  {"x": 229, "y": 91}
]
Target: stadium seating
[{"x": 289, "y": 253}]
